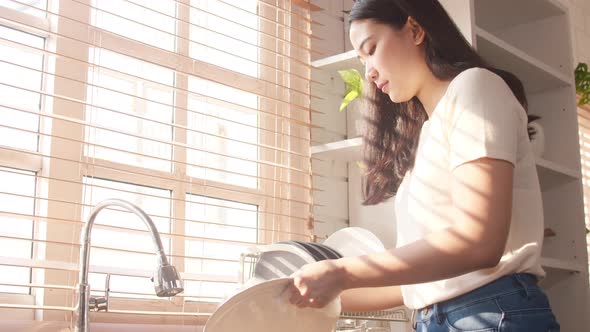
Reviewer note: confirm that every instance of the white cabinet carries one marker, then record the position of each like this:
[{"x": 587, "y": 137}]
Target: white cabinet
[{"x": 530, "y": 38}]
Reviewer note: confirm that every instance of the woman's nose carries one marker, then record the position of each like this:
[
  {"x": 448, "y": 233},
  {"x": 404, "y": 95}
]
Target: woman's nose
[{"x": 370, "y": 73}]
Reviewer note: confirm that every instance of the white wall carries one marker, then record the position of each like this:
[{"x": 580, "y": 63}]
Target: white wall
[{"x": 580, "y": 20}]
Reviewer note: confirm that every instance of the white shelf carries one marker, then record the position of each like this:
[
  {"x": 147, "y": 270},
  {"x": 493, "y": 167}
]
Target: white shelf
[
  {"x": 500, "y": 14},
  {"x": 345, "y": 150},
  {"x": 535, "y": 75},
  {"x": 550, "y": 172},
  {"x": 554, "y": 167},
  {"x": 558, "y": 264},
  {"x": 347, "y": 60}
]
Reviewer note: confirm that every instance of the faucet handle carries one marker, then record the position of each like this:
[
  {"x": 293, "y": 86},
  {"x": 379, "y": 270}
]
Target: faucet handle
[{"x": 98, "y": 303}]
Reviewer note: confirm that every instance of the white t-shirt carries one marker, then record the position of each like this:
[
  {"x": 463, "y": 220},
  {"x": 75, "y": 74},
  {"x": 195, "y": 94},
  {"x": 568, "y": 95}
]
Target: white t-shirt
[{"x": 477, "y": 117}]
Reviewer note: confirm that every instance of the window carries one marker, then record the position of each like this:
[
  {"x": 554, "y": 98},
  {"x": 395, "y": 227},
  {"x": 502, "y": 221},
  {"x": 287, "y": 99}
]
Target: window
[
  {"x": 149, "y": 21},
  {"x": 17, "y": 199},
  {"x": 131, "y": 118},
  {"x": 130, "y": 107},
  {"x": 19, "y": 121},
  {"x": 224, "y": 137},
  {"x": 20, "y": 98},
  {"x": 195, "y": 111},
  {"x": 29, "y": 7},
  {"x": 225, "y": 34},
  {"x": 221, "y": 230}
]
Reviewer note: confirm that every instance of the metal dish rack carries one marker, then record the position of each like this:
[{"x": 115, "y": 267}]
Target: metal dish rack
[{"x": 250, "y": 257}]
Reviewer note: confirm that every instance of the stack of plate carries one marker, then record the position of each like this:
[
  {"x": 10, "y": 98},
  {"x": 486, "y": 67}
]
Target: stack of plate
[
  {"x": 262, "y": 305},
  {"x": 284, "y": 258}
]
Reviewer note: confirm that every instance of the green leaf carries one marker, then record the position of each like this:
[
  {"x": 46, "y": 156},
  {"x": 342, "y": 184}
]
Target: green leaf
[
  {"x": 351, "y": 77},
  {"x": 347, "y": 99},
  {"x": 354, "y": 85}
]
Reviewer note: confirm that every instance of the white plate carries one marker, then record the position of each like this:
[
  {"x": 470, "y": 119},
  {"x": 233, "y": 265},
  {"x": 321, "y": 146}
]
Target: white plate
[
  {"x": 354, "y": 241},
  {"x": 278, "y": 264},
  {"x": 264, "y": 308},
  {"x": 280, "y": 260}
]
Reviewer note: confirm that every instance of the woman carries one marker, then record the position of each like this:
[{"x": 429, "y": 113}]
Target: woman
[{"x": 447, "y": 134}]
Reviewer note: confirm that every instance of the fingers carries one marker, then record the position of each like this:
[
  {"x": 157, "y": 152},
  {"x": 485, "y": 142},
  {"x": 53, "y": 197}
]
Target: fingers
[
  {"x": 297, "y": 297},
  {"x": 307, "y": 290},
  {"x": 301, "y": 297},
  {"x": 300, "y": 285}
]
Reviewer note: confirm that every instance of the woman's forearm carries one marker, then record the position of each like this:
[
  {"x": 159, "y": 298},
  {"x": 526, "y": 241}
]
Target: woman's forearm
[
  {"x": 371, "y": 299},
  {"x": 441, "y": 255}
]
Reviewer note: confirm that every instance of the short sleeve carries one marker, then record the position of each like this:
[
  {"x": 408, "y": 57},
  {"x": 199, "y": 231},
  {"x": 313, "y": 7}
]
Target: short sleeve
[{"x": 483, "y": 120}]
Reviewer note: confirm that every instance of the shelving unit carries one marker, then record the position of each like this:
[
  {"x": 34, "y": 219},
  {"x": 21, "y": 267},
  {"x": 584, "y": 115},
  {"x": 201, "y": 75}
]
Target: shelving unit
[
  {"x": 540, "y": 76},
  {"x": 530, "y": 38}
]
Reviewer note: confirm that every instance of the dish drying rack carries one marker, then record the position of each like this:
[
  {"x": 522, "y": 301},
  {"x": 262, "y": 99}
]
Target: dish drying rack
[{"x": 250, "y": 257}]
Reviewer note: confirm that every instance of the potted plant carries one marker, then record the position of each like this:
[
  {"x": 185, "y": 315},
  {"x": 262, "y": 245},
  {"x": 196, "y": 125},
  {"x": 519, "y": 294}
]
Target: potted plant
[
  {"x": 582, "y": 83},
  {"x": 354, "y": 86}
]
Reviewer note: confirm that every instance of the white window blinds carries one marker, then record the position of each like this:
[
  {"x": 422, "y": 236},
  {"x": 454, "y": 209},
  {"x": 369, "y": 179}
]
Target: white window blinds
[{"x": 197, "y": 111}]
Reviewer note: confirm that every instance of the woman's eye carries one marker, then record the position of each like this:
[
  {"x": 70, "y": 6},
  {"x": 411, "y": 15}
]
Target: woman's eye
[{"x": 372, "y": 50}]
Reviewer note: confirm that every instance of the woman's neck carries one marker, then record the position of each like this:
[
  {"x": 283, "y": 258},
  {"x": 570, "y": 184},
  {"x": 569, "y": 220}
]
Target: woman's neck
[{"x": 431, "y": 93}]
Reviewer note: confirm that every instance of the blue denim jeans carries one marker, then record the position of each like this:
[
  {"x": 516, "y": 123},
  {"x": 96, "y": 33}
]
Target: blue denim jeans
[{"x": 513, "y": 303}]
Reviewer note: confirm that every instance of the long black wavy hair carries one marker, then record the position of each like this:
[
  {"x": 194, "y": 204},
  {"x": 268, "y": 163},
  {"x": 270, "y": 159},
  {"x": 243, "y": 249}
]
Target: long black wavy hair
[{"x": 392, "y": 129}]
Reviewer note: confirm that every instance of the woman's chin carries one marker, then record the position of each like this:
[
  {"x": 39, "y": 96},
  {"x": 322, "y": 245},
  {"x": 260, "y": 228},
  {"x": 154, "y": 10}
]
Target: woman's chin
[{"x": 396, "y": 98}]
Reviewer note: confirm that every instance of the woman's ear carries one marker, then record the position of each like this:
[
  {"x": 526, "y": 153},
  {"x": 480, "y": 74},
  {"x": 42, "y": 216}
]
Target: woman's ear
[{"x": 418, "y": 33}]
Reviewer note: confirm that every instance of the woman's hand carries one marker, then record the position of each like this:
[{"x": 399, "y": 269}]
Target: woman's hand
[{"x": 317, "y": 284}]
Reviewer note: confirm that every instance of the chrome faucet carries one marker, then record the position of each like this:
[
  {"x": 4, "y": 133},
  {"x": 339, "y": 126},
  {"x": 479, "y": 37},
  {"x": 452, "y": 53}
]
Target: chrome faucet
[{"x": 166, "y": 280}]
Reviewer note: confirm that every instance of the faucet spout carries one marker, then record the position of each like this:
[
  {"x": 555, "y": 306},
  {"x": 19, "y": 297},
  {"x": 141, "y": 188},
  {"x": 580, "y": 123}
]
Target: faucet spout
[{"x": 166, "y": 279}]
